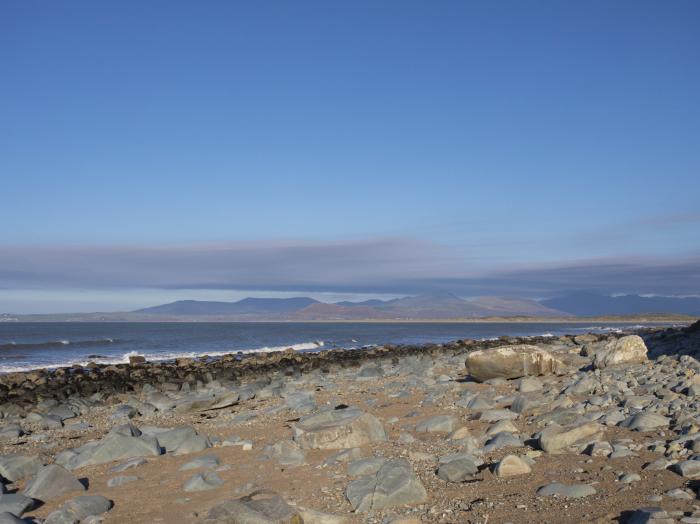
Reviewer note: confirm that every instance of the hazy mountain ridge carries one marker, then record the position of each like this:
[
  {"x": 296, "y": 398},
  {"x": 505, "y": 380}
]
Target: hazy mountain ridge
[{"x": 585, "y": 304}]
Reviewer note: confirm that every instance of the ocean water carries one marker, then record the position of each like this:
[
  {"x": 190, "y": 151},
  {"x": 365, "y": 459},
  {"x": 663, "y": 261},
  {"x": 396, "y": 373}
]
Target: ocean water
[{"x": 25, "y": 346}]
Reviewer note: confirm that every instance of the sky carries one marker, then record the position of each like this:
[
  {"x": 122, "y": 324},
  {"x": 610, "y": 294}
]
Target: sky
[{"x": 151, "y": 151}]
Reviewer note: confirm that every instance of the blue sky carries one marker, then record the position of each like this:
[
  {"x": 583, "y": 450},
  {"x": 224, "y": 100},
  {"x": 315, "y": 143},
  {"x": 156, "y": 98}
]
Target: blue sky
[{"x": 474, "y": 140}]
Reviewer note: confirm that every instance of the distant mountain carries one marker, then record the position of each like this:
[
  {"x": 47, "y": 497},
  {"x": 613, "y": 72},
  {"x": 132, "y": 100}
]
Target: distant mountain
[
  {"x": 247, "y": 306},
  {"x": 588, "y": 304},
  {"x": 502, "y": 306}
]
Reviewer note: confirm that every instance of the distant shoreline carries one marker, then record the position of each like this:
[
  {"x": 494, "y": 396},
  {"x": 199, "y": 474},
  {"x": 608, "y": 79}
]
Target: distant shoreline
[{"x": 93, "y": 318}]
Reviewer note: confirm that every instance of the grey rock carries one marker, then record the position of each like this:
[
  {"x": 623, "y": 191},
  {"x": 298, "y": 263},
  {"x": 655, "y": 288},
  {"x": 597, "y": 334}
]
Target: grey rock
[
  {"x": 205, "y": 462},
  {"x": 16, "y": 467},
  {"x": 512, "y": 465},
  {"x": 285, "y": 453},
  {"x": 52, "y": 481},
  {"x": 689, "y": 469},
  {"x": 203, "y": 482},
  {"x": 438, "y": 424},
  {"x": 256, "y": 508},
  {"x": 9, "y": 518},
  {"x": 338, "y": 429},
  {"x": 171, "y": 439},
  {"x": 365, "y": 466},
  {"x": 573, "y": 491},
  {"x": 458, "y": 470},
  {"x": 395, "y": 484},
  {"x": 625, "y": 350},
  {"x": 557, "y": 439},
  {"x": 15, "y": 504},
  {"x": 131, "y": 463},
  {"x": 529, "y": 385},
  {"x": 116, "y": 446},
  {"x": 193, "y": 444},
  {"x": 650, "y": 516},
  {"x": 646, "y": 422},
  {"x": 80, "y": 509}
]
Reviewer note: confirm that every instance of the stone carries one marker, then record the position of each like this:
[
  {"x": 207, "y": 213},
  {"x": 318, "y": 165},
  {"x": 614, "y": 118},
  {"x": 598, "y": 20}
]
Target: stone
[
  {"x": 79, "y": 509},
  {"x": 529, "y": 385},
  {"x": 512, "y": 465},
  {"x": 557, "y": 439},
  {"x": 193, "y": 444},
  {"x": 338, "y": 429},
  {"x": 438, "y": 424},
  {"x": 15, "y": 504},
  {"x": 689, "y": 469},
  {"x": 626, "y": 350},
  {"x": 395, "y": 484},
  {"x": 10, "y": 432},
  {"x": 458, "y": 470},
  {"x": 286, "y": 453},
  {"x": 645, "y": 422},
  {"x": 120, "y": 480},
  {"x": 203, "y": 482},
  {"x": 137, "y": 359},
  {"x": 131, "y": 463},
  {"x": 115, "y": 446},
  {"x": 52, "y": 481},
  {"x": 205, "y": 462},
  {"x": 510, "y": 362},
  {"x": 172, "y": 438},
  {"x": 573, "y": 491},
  {"x": 257, "y": 508},
  {"x": 365, "y": 466},
  {"x": 9, "y": 518},
  {"x": 17, "y": 467},
  {"x": 630, "y": 477},
  {"x": 650, "y": 516}
]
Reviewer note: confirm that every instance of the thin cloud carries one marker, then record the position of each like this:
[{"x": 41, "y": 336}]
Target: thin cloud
[{"x": 388, "y": 265}]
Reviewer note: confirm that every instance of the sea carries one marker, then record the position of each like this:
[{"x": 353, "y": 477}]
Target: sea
[{"x": 31, "y": 345}]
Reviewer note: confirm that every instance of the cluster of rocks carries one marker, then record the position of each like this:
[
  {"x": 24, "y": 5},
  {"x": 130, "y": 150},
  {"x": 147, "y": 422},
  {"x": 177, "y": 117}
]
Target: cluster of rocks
[{"x": 471, "y": 417}]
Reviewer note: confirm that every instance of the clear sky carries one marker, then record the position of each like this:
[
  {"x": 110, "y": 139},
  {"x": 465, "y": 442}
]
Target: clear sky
[{"x": 152, "y": 150}]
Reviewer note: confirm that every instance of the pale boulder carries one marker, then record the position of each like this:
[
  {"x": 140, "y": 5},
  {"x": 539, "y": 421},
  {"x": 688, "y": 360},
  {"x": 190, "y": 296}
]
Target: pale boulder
[
  {"x": 625, "y": 350},
  {"x": 509, "y": 362}
]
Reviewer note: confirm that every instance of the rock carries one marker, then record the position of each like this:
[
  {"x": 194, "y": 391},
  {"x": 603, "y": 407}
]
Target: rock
[
  {"x": 171, "y": 439},
  {"x": 626, "y": 350},
  {"x": 203, "y": 482},
  {"x": 10, "y": 432},
  {"x": 131, "y": 463},
  {"x": 50, "y": 482},
  {"x": 510, "y": 362},
  {"x": 193, "y": 444},
  {"x": 311, "y": 516},
  {"x": 650, "y": 516},
  {"x": 438, "y": 424},
  {"x": 365, "y": 466},
  {"x": 137, "y": 359},
  {"x": 512, "y": 465},
  {"x": 205, "y": 462},
  {"x": 345, "y": 455},
  {"x": 395, "y": 484},
  {"x": 645, "y": 422},
  {"x": 529, "y": 385},
  {"x": 338, "y": 429},
  {"x": 458, "y": 470},
  {"x": 9, "y": 518},
  {"x": 689, "y": 469},
  {"x": 630, "y": 477},
  {"x": 286, "y": 453},
  {"x": 120, "y": 480},
  {"x": 256, "y": 508},
  {"x": 17, "y": 467},
  {"x": 558, "y": 439},
  {"x": 574, "y": 491},
  {"x": 15, "y": 504},
  {"x": 79, "y": 509},
  {"x": 116, "y": 447}
]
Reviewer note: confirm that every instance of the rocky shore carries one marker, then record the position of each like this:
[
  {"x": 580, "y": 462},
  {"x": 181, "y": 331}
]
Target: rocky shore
[{"x": 591, "y": 428}]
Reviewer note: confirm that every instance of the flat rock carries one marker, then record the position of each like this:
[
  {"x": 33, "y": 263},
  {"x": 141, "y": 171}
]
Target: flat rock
[
  {"x": 203, "y": 482},
  {"x": 52, "y": 481},
  {"x": 557, "y": 439},
  {"x": 626, "y": 350},
  {"x": 79, "y": 509},
  {"x": 193, "y": 444},
  {"x": 645, "y": 422},
  {"x": 286, "y": 453},
  {"x": 365, "y": 466},
  {"x": 458, "y": 470},
  {"x": 395, "y": 484},
  {"x": 508, "y": 362},
  {"x": 573, "y": 491},
  {"x": 338, "y": 429},
  {"x": 256, "y": 508},
  {"x": 116, "y": 447},
  {"x": 438, "y": 424},
  {"x": 205, "y": 462},
  {"x": 689, "y": 469}
]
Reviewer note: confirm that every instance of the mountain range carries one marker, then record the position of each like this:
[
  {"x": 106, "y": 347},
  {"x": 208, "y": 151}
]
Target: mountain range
[{"x": 429, "y": 306}]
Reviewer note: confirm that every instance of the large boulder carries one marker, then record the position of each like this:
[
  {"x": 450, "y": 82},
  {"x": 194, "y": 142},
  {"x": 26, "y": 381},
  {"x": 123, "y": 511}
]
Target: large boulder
[
  {"x": 520, "y": 360},
  {"x": 116, "y": 446},
  {"x": 338, "y": 429},
  {"x": 16, "y": 467},
  {"x": 625, "y": 350},
  {"x": 395, "y": 484},
  {"x": 80, "y": 509}
]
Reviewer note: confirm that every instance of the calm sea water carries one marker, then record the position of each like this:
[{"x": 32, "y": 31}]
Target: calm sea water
[{"x": 26, "y": 346}]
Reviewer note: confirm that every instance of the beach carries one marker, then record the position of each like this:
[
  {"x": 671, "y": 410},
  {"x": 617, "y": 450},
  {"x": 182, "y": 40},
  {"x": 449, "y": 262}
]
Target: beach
[{"x": 396, "y": 433}]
